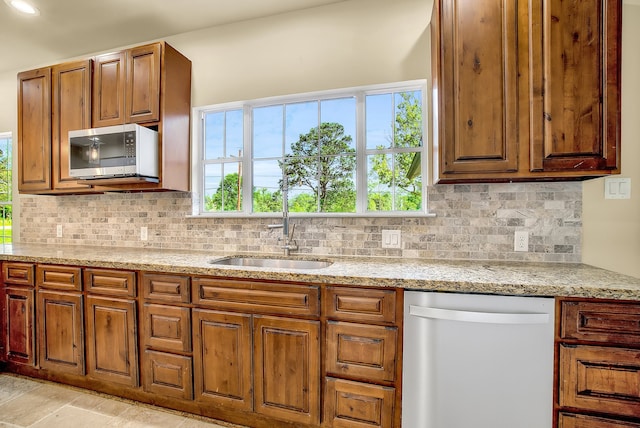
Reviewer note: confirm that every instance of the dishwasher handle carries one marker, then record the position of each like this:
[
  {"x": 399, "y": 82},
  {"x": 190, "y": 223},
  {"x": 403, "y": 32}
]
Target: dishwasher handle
[{"x": 478, "y": 317}]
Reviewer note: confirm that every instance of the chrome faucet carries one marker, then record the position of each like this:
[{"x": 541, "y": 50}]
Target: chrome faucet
[{"x": 288, "y": 243}]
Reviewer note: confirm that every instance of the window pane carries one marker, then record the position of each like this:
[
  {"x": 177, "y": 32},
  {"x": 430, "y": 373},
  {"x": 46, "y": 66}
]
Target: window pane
[
  {"x": 380, "y": 182},
  {"x": 214, "y": 135},
  {"x": 267, "y": 196},
  {"x": 408, "y": 182},
  {"x": 341, "y": 111},
  {"x": 223, "y": 194},
  {"x": 408, "y": 121},
  {"x": 234, "y": 133},
  {"x": 267, "y": 132},
  {"x": 301, "y": 119},
  {"x": 322, "y": 183},
  {"x": 379, "y": 121}
]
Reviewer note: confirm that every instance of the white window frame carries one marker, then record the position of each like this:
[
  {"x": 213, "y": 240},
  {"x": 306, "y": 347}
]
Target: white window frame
[
  {"x": 9, "y": 135},
  {"x": 198, "y": 162}
]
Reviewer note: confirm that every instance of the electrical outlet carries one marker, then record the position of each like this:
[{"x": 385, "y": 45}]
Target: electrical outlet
[
  {"x": 59, "y": 231},
  {"x": 391, "y": 239},
  {"x": 143, "y": 233},
  {"x": 521, "y": 241}
]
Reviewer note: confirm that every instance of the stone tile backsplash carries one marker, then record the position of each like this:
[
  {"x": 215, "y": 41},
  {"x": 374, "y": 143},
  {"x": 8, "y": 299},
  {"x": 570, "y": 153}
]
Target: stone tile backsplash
[{"x": 473, "y": 221}]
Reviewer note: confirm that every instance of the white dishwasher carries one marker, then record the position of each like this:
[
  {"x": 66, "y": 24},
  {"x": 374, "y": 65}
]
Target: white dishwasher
[{"x": 477, "y": 361}]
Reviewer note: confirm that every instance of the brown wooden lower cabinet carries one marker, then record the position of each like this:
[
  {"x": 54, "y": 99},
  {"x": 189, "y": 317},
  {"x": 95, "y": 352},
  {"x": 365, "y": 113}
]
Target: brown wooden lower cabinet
[
  {"x": 112, "y": 340},
  {"x": 19, "y": 323},
  {"x": 598, "y": 363},
  {"x": 222, "y": 359},
  {"x": 349, "y": 404},
  {"x": 286, "y": 358},
  {"x": 256, "y": 353},
  {"x": 568, "y": 420},
  {"x": 61, "y": 331}
]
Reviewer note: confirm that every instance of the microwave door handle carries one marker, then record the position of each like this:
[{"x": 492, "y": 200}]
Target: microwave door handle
[{"x": 478, "y": 317}]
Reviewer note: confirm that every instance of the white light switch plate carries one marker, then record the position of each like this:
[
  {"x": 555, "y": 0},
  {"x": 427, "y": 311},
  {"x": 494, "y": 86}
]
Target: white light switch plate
[
  {"x": 617, "y": 188},
  {"x": 391, "y": 239}
]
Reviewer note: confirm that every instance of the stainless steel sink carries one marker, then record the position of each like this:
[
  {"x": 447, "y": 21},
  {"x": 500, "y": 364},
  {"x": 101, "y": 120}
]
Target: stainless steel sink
[{"x": 271, "y": 262}]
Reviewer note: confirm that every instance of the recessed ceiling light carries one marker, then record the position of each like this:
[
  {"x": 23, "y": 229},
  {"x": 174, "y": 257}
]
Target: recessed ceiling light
[{"x": 23, "y": 7}]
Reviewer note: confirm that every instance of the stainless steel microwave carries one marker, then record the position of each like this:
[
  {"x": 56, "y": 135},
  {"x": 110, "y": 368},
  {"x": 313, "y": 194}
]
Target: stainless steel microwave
[{"x": 127, "y": 150}]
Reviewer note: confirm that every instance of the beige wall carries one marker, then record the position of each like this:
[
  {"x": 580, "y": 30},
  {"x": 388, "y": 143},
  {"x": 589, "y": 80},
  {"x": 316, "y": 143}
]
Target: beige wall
[{"x": 611, "y": 228}]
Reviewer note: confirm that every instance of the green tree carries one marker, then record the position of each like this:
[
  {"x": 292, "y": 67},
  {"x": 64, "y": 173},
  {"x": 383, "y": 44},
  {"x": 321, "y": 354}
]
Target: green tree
[
  {"x": 265, "y": 201},
  {"x": 324, "y": 162},
  {"x": 405, "y": 175},
  {"x": 5, "y": 179},
  {"x": 228, "y": 196}
]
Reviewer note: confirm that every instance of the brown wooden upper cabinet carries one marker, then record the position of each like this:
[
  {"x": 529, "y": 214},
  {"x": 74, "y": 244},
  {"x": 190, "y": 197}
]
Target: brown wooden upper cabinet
[
  {"x": 526, "y": 90},
  {"x": 34, "y": 130},
  {"x": 127, "y": 86},
  {"x": 149, "y": 85}
]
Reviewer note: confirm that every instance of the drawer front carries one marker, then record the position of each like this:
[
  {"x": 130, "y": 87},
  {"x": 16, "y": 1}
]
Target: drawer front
[
  {"x": 168, "y": 374},
  {"x": 601, "y": 322},
  {"x": 367, "y": 352},
  {"x": 353, "y": 404},
  {"x": 166, "y": 288},
  {"x": 59, "y": 277},
  {"x": 110, "y": 282},
  {"x": 600, "y": 379},
  {"x": 569, "y": 420},
  {"x": 167, "y": 328},
  {"x": 253, "y": 296},
  {"x": 360, "y": 304},
  {"x": 18, "y": 273}
]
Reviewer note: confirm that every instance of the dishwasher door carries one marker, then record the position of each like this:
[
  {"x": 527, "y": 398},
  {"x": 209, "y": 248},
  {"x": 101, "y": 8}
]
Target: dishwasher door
[{"x": 478, "y": 361}]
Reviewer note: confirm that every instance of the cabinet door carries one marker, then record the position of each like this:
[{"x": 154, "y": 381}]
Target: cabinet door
[
  {"x": 142, "y": 98},
  {"x": 34, "y": 130},
  {"x": 575, "y": 66},
  {"x": 112, "y": 350},
  {"x": 286, "y": 359},
  {"x": 71, "y": 111},
  {"x": 353, "y": 404},
  {"x": 475, "y": 71},
  {"x": 108, "y": 90},
  {"x": 61, "y": 332},
  {"x": 222, "y": 358},
  {"x": 19, "y": 322}
]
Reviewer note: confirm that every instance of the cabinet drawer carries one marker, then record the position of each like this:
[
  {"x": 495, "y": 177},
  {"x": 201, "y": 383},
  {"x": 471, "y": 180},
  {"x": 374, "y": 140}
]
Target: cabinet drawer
[
  {"x": 166, "y": 288},
  {"x": 367, "y": 352},
  {"x": 18, "y": 273},
  {"x": 568, "y": 420},
  {"x": 167, "y": 328},
  {"x": 349, "y": 404},
  {"x": 360, "y": 304},
  {"x": 168, "y": 374},
  {"x": 617, "y": 323},
  {"x": 110, "y": 282},
  {"x": 254, "y": 296},
  {"x": 59, "y": 277},
  {"x": 600, "y": 379}
]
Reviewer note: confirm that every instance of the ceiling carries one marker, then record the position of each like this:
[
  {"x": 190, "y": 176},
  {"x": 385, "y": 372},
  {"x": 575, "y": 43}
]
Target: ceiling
[{"x": 71, "y": 28}]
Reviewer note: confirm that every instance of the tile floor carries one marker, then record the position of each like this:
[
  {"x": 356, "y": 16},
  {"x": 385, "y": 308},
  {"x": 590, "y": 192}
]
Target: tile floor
[{"x": 32, "y": 403}]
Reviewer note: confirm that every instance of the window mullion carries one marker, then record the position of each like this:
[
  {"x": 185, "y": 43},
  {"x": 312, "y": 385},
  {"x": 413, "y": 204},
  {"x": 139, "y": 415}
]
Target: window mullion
[
  {"x": 247, "y": 161},
  {"x": 361, "y": 155}
]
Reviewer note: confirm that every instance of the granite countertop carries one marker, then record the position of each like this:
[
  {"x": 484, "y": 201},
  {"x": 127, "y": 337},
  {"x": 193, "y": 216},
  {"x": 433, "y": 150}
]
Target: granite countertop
[{"x": 490, "y": 277}]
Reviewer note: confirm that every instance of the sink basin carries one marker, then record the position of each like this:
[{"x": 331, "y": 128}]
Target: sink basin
[{"x": 271, "y": 263}]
